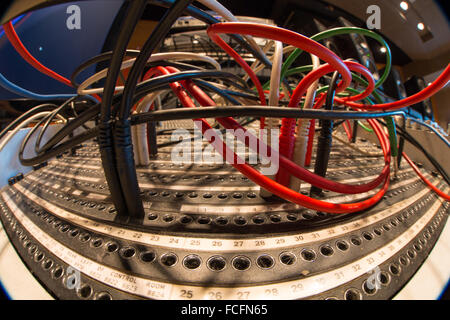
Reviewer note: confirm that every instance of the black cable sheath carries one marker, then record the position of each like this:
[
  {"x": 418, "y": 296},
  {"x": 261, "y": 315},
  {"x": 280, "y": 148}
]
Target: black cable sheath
[
  {"x": 123, "y": 147},
  {"x": 325, "y": 138},
  {"x": 105, "y": 137},
  {"x": 208, "y": 112}
]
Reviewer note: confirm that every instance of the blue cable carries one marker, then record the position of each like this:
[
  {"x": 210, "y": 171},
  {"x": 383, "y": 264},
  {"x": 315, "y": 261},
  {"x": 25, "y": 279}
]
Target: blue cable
[
  {"x": 432, "y": 129},
  {"x": 8, "y": 85}
]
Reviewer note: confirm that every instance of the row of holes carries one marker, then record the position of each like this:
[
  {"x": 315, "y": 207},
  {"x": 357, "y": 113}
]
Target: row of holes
[
  {"x": 369, "y": 287},
  {"x": 239, "y": 220},
  {"x": 84, "y": 290}
]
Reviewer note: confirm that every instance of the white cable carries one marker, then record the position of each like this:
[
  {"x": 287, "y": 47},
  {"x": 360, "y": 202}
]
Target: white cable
[
  {"x": 23, "y": 124},
  {"x": 227, "y": 15},
  {"x": 274, "y": 97},
  {"x": 301, "y": 140},
  {"x": 155, "y": 57},
  {"x": 141, "y": 129}
]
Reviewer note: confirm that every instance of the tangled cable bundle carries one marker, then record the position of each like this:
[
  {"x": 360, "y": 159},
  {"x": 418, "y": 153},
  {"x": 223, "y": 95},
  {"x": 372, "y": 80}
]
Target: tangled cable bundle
[{"x": 205, "y": 92}]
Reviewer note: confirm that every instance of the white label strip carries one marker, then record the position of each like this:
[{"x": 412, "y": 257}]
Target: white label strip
[
  {"x": 221, "y": 244},
  {"x": 293, "y": 289}
]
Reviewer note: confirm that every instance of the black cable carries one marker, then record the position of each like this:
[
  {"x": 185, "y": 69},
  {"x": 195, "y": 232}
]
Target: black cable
[
  {"x": 208, "y": 19},
  {"x": 401, "y": 143},
  {"x": 403, "y": 133},
  {"x": 210, "y": 87},
  {"x": 94, "y": 60},
  {"x": 105, "y": 137},
  {"x": 50, "y": 118},
  {"x": 208, "y": 112},
  {"x": 325, "y": 138},
  {"x": 354, "y": 131},
  {"x": 144, "y": 88},
  {"x": 123, "y": 146}
]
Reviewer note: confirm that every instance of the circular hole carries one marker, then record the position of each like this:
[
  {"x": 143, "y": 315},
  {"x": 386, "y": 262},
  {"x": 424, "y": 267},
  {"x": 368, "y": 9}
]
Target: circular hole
[
  {"x": 404, "y": 260},
  {"x": 96, "y": 243},
  {"x": 222, "y": 196},
  {"x": 85, "y": 291},
  {"x": 148, "y": 256},
  {"x": 308, "y": 255},
  {"x": 237, "y": 195},
  {"x": 192, "y": 195},
  {"x": 384, "y": 278},
  {"x": 241, "y": 263},
  {"x": 292, "y": 217},
  {"x": 258, "y": 220},
  {"x": 369, "y": 287},
  {"x": 377, "y": 232},
  {"x": 127, "y": 252},
  {"x": 352, "y": 294},
  {"x": 57, "y": 272},
  {"x": 168, "y": 218},
  {"x": 326, "y": 250},
  {"x": 386, "y": 227},
  {"x": 64, "y": 228},
  {"x": 32, "y": 249},
  {"x": 186, "y": 219},
  {"x": 112, "y": 247},
  {"x": 368, "y": 236},
  {"x": 47, "y": 264},
  {"x": 103, "y": 296},
  {"x": 240, "y": 221},
  {"x": 307, "y": 216},
  {"x": 74, "y": 233},
  {"x": 393, "y": 223},
  {"x": 169, "y": 259},
  {"x": 265, "y": 262},
  {"x": 287, "y": 258},
  {"x": 207, "y": 196},
  {"x": 221, "y": 221},
  {"x": 411, "y": 254},
  {"x": 342, "y": 245},
  {"x": 275, "y": 218},
  {"x": 395, "y": 269},
  {"x": 39, "y": 256},
  {"x": 204, "y": 220},
  {"x": 70, "y": 281},
  {"x": 251, "y": 195},
  {"x": 85, "y": 237},
  {"x": 152, "y": 216},
  {"x": 192, "y": 261},
  {"x": 417, "y": 247},
  {"x": 356, "y": 241},
  {"x": 216, "y": 263}
]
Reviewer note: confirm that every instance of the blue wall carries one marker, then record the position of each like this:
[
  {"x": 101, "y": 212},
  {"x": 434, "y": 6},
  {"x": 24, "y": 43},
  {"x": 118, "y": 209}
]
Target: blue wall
[{"x": 45, "y": 34}]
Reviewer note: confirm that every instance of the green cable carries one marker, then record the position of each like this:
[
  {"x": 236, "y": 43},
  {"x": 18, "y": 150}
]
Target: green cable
[
  {"x": 340, "y": 31},
  {"x": 362, "y": 125}
]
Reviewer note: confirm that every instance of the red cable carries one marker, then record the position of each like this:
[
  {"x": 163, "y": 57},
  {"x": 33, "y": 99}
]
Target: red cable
[
  {"x": 274, "y": 33},
  {"x": 290, "y": 167},
  {"x": 283, "y": 191},
  {"x": 430, "y": 90},
  {"x": 287, "y": 136},
  {"x": 433, "y": 187},
  {"x": 309, "y": 148},
  {"x": 347, "y": 131}
]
